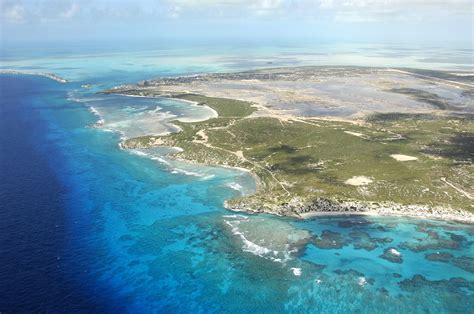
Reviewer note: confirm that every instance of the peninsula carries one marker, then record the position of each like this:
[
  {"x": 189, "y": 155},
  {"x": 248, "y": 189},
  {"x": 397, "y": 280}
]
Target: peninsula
[{"x": 332, "y": 140}]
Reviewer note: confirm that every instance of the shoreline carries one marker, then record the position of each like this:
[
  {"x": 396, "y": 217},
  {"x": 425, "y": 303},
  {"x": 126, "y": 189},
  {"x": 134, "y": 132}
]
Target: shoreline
[
  {"x": 194, "y": 103},
  {"x": 445, "y": 217},
  {"x": 171, "y": 155},
  {"x": 240, "y": 169},
  {"x": 328, "y": 208},
  {"x": 51, "y": 76}
]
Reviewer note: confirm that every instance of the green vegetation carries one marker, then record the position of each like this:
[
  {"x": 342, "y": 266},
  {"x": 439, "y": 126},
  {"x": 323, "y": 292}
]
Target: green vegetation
[
  {"x": 308, "y": 159},
  {"x": 139, "y": 142}
]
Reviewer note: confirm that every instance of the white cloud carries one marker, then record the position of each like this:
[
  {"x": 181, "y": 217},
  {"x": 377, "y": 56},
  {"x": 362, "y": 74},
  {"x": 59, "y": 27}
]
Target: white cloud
[
  {"x": 71, "y": 11},
  {"x": 19, "y": 11},
  {"x": 12, "y": 12},
  {"x": 267, "y": 7},
  {"x": 174, "y": 11},
  {"x": 342, "y": 10},
  {"x": 394, "y": 9}
]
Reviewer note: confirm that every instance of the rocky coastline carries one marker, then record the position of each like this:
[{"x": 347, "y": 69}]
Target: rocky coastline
[{"x": 326, "y": 207}]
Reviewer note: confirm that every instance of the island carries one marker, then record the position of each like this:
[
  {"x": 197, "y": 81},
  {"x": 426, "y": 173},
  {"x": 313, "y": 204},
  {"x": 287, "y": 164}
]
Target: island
[{"x": 332, "y": 140}]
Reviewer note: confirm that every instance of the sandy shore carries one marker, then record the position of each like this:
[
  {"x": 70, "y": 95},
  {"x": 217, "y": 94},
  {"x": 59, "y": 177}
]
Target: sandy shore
[
  {"x": 213, "y": 114},
  {"x": 48, "y": 75},
  {"x": 465, "y": 217}
]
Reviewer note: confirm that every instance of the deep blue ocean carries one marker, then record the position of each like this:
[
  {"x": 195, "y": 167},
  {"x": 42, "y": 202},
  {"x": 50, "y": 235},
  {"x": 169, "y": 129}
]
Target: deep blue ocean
[
  {"x": 88, "y": 227},
  {"x": 35, "y": 225}
]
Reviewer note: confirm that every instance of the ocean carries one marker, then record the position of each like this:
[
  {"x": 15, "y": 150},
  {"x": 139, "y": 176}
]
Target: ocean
[{"x": 87, "y": 226}]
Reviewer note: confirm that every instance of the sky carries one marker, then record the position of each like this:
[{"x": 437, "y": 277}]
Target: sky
[{"x": 374, "y": 21}]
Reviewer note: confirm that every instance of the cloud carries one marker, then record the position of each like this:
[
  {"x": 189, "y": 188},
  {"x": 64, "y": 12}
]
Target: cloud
[
  {"x": 44, "y": 11},
  {"x": 12, "y": 12},
  {"x": 71, "y": 12},
  {"x": 18, "y": 12},
  {"x": 346, "y": 19},
  {"x": 386, "y": 10},
  {"x": 268, "y": 7},
  {"x": 334, "y": 10}
]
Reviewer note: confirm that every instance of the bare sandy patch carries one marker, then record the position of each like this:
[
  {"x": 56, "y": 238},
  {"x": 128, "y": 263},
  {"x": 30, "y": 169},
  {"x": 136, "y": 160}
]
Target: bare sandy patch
[
  {"x": 358, "y": 181},
  {"x": 401, "y": 157},
  {"x": 355, "y": 134},
  {"x": 203, "y": 135}
]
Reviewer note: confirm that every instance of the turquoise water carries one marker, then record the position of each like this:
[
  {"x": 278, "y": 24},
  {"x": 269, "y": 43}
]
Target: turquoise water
[
  {"x": 139, "y": 232},
  {"x": 114, "y": 64}
]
